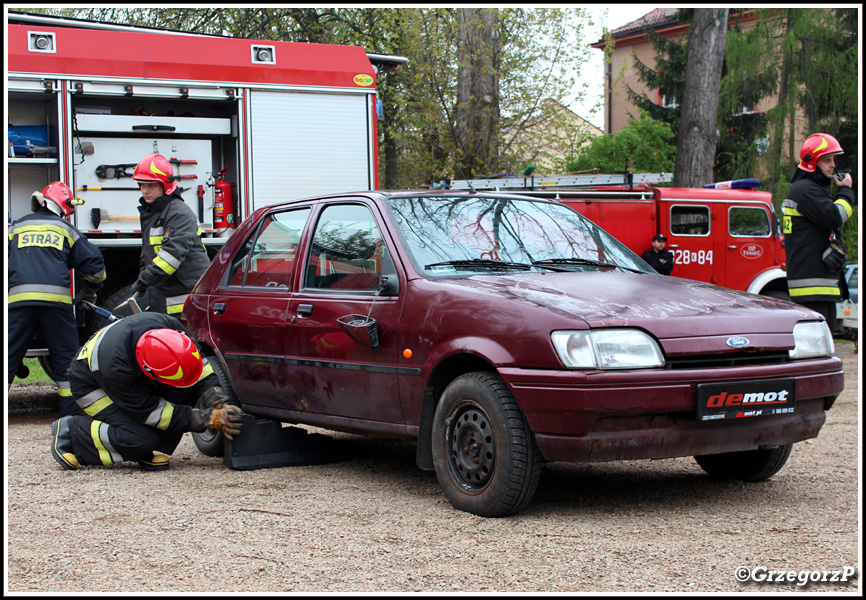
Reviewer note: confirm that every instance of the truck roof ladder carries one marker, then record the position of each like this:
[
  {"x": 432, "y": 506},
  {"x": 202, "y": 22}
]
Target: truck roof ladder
[{"x": 540, "y": 182}]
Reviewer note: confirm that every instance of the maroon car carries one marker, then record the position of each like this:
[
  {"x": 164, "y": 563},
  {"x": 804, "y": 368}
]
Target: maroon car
[{"x": 502, "y": 332}]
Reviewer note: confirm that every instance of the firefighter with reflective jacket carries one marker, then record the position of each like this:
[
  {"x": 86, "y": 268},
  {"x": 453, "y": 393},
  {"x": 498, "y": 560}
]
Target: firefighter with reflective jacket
[
  {"x": 812, "y": 220},
  {"x": 172, "y": 254},
  {"x": 43, "y": 247},
  {"x": 138, "y": 381}
]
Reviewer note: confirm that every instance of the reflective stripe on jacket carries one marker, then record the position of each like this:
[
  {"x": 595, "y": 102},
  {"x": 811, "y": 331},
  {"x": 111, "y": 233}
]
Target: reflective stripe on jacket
[{"x": 43, "y": 247}]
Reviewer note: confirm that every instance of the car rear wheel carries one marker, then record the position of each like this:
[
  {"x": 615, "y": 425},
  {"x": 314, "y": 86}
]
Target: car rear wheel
[
  {"x": 484, "y": 452},
  {"x": 209, "y": 442},
  {"x": 752, "y": 465}
]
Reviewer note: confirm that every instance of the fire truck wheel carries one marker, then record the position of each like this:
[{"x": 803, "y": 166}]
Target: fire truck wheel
[
  {"x": 209, "y": 442},
  {"x": 778, "y": 295},
  {"x": 752, "y": 465},
  {"x": 484, "y": 452},
  {"x": 46, "y": 366}
]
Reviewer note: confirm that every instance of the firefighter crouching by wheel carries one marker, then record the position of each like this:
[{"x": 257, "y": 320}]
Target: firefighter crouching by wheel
[
  {"x": 812, "y": 220},
  {"x": 138, "y": 380},
  {"x": 43, "y": 247},
  {"x": 173, "y": 256}
]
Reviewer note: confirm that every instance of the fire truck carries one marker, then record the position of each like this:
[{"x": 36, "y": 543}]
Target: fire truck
[
  {"x": 726, "y": 233},
  {"x": 246, "y": 123}
]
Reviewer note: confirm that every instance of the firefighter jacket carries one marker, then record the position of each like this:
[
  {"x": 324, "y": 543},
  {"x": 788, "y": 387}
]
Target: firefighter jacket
[
  {"x": 809, "y": 216},
  {"x": 106, "y": 371},
  {"x": 43, "y": 247},
  {"x": 173, "y": 256}
]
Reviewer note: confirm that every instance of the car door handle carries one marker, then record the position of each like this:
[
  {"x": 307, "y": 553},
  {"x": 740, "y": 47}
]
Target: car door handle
[
  {"x": 305, "y": 310},
  {"x": 732, "y": 247},
  {"x": 219, "y": 308}
]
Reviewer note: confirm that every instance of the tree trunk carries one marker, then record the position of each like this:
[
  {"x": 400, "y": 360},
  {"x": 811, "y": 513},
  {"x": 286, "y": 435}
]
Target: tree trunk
[
  {"x": 776, "y": 162},
  {"x": 698, "y": 134},
  {"x": 477, "y": 114}
]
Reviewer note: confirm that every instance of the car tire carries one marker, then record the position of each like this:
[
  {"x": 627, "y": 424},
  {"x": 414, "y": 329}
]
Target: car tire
[
  {"x": 484, "y": 452},
  {"x": 210, "y": 442},
  {"x": 751, "y": 465}
]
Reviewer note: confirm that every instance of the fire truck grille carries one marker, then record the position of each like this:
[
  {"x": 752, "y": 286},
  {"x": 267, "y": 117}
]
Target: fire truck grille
[{"x": 738, "y": 359}]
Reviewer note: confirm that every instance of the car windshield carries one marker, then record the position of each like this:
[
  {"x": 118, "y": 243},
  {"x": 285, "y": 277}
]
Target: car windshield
[{"x": 446, "y": 236}]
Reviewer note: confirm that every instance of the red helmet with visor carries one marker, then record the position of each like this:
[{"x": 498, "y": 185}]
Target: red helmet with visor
[
  {"x": 169, "y": 356},
  {"x": 816, "y": 146},
  {"x": 156, "y": 167}
]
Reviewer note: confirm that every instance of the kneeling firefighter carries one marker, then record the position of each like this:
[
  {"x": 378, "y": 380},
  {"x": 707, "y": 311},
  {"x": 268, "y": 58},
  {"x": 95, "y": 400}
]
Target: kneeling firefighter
[{"x": 138, "y": 380}]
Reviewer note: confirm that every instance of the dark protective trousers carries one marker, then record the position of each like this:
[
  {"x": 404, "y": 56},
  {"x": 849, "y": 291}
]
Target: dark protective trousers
[
  {"x": 114, "y": 437},
  {"x": 60, "y": 332}
]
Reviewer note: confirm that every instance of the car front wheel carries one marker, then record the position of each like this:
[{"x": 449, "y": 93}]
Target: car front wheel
[
  {"x": 484, "y": 452},
  {"x": 752, "y": 465},
  {"x": 210, "y": 442}
]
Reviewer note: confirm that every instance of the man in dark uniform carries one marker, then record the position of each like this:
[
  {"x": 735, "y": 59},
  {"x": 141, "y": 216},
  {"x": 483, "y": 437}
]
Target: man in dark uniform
[
  {"x": 43, "y": 247},
  {"x": 812, "y": 221},
  {"x": 138, "y": 380},
  {"x": 172, "y": 254},
  {"x": 657, "y": 257}
]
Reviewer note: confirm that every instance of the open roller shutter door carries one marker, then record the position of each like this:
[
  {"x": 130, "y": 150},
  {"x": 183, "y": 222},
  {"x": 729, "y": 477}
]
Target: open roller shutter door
[{"x": 304, "y": 144}]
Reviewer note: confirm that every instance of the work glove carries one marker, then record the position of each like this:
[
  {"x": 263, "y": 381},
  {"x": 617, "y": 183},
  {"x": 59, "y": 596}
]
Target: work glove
[
  {"x": 138, "y": 288},
  {"x": 85, "y": 294},
  {"x": 835, "y": 256},
  {"x": 226, "y": 420},
  {"x": 213, "y": 397}
]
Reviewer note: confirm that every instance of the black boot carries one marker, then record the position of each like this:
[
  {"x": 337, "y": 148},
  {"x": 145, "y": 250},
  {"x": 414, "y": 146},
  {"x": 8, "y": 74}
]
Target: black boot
[{"x": 61, "y": 444}]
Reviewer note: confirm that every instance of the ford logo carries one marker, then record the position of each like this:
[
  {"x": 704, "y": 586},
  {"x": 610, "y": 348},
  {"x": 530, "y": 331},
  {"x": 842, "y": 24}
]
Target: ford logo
[{"x": 737, "y": 342}]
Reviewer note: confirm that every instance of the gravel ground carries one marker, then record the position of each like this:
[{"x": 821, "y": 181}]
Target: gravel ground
[{"x": 376, "y": 523}]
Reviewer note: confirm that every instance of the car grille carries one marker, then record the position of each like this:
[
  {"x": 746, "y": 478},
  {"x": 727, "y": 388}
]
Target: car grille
[{"x": 734, "y": 359}]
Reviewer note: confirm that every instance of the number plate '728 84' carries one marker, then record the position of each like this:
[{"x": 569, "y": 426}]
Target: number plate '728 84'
[{"x": 745, "y": 399}]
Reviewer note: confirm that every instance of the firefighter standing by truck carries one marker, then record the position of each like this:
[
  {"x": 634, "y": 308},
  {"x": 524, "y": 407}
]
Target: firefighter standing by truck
[
  {"x": 137, "y": 380},
  {"x": 812, "y": 220},
  {"x": 173, "y": 256},
  {"x": 43, "y": 247}
]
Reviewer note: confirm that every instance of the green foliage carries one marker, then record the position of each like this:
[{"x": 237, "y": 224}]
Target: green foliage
[{"x": 644, "y": 146}]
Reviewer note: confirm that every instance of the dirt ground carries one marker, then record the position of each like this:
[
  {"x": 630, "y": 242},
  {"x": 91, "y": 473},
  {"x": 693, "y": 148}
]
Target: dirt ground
[{"x": 375, "y": 523}]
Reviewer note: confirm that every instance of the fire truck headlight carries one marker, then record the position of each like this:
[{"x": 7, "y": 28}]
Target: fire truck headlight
[
  {"x": 607, "y": 349},
  {"x": 812, "y": 339}
]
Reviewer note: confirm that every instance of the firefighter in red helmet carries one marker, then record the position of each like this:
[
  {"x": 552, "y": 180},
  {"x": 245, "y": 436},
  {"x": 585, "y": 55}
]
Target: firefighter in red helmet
[
  {"x": 172, "y": 254},
  {"x": 142, "y": 382},
  {"x": 43, "y": 247},
  {"x": 812, "y": 220}
]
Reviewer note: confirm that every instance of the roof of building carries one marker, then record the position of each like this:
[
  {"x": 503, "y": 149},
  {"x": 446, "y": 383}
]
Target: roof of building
[{"x": 654, "y": 18}]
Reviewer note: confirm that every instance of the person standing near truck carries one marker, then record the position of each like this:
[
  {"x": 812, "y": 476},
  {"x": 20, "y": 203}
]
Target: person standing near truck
[
  {"x": 43, "y": 247},
  {"x": 812, "y": 221},
  {"x": 658, "y": 257},
  {"x": 172, "y": 254}
]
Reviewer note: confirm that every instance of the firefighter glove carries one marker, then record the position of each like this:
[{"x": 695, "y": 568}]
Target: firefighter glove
[
  {"x": 213, "y": 397},
  {"x": 225, "y": 419},
  {"x": 85, "y": 294},
  {"x": 835, "y": 256},
  {"x": 137, "y": 288}
]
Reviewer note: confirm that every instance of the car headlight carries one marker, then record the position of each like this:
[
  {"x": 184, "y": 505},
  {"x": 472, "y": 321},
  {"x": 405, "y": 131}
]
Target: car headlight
[
  {"x": 812, "y": 339},
  {"x": 607, "y": 349}
]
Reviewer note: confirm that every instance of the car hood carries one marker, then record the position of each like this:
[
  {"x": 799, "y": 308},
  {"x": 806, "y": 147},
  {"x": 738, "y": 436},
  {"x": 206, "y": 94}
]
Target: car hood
[{"x": 667, "y": 307}]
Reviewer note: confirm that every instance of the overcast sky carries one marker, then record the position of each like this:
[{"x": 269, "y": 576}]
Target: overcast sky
[{"x": 593, "y": 73}]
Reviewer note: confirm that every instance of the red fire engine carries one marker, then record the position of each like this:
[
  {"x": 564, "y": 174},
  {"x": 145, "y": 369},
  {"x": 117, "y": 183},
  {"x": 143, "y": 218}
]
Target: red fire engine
[
  {"x": 246, "y": 123},
  {"x": 721, "y": 235}
]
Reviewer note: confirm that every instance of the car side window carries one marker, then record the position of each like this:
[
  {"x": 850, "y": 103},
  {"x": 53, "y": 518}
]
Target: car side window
[
  {"x": 690, "y": 220},
  {"x": 746, "y": 221},
  {"x": 347, "y": 251},
  {"x": 268, "y": 257}
]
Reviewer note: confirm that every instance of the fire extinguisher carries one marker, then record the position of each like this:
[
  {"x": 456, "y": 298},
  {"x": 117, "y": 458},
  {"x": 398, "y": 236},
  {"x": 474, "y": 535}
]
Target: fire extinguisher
[{"x": 223, "y": 208}]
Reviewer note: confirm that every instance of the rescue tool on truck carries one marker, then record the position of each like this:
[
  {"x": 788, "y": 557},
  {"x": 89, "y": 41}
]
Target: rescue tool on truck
[
  {"x": 273, "y": 120},
  {"x": 727, "y": 234}
]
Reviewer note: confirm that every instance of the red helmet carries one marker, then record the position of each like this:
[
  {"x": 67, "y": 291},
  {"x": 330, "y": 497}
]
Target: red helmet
[
  {"x": 63, "y": 201},
  {"x": 155, "y": 167},
  {"x": 169, "y": 356},
  {"x": 816, "y": 146}
]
